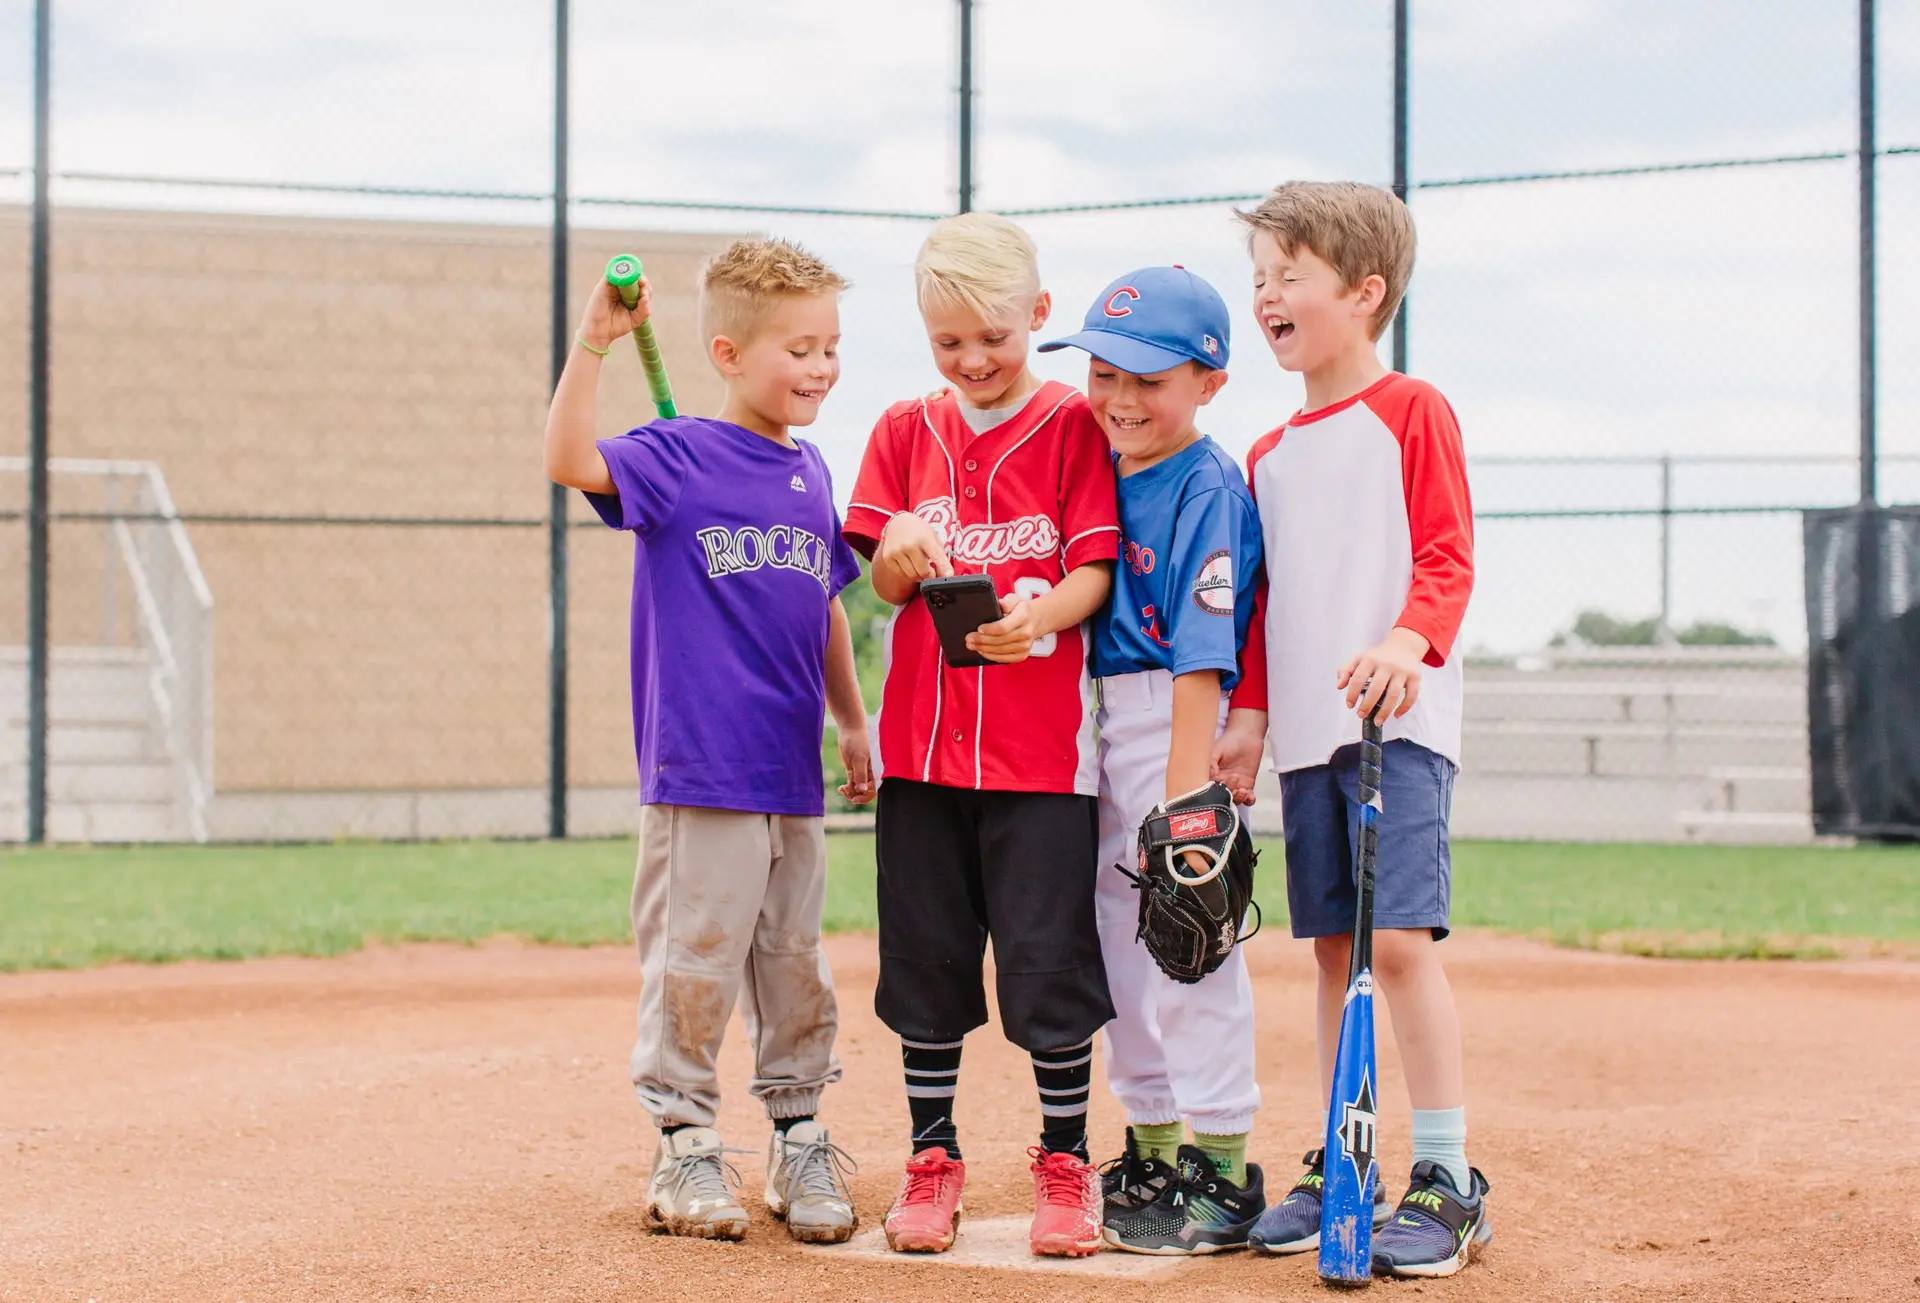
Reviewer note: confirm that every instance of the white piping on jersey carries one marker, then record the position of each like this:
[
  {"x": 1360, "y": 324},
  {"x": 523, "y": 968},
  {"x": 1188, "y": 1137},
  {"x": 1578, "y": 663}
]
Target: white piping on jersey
[
  {"x": 886, "y": 667},
  {"x": 1085, "y": 533},
  {"x": 868, "y": 506},
  {"x": 953, "y": 488},
  {"x": 933, "y": 735},
  {"x": 939, "y": 679},
  {"x": 979, "y": 718},
  {"x": 1037, "y": 426}
]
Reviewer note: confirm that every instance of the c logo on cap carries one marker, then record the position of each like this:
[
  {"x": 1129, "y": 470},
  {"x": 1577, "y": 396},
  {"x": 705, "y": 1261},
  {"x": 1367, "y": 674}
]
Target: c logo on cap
[{"x": 1114, "y": 298}]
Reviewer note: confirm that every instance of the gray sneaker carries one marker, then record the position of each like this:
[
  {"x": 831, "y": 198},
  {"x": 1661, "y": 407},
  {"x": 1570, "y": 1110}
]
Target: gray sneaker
[
  {"x": 807, "y": 1185},
  {"x": 691, "y": 1189}
]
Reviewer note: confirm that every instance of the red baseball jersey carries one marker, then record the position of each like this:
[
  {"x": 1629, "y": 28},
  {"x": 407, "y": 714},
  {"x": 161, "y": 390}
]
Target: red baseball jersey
[{"x": 1026, "y": 502}]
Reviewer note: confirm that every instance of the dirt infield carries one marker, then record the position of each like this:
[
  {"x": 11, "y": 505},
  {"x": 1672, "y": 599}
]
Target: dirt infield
[{"x": 439, "y": 1123}]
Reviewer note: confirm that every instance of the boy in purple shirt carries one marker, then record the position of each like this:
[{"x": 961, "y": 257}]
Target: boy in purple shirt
[{"x": 739, "y": 642}]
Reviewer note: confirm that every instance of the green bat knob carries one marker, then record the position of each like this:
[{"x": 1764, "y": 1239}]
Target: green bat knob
[{"x": 624, "y": 273}]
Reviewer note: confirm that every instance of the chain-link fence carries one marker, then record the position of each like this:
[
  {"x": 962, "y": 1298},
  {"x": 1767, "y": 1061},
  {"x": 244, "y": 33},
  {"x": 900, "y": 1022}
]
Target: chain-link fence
[{"x": 300, "y": 356}]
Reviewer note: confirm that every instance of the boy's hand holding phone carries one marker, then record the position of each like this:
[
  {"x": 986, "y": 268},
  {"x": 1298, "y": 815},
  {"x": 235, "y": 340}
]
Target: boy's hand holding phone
[{"x": 1008, "y": 640}]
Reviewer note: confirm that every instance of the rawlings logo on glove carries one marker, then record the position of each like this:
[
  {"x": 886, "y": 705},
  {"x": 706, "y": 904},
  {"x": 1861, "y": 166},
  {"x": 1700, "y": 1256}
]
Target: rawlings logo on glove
[{"x": 1191, "y": 919}]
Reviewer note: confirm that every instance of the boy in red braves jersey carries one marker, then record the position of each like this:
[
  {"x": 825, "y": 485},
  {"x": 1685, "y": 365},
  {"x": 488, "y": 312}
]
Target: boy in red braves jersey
[
  {"x": 988, "y": 823},
  {"x": 1369, "y": 546}
]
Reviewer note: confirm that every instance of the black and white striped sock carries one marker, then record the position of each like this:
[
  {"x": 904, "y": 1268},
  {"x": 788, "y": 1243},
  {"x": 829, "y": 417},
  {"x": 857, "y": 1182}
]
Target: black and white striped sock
[
  {"x": 1065, "y": 1079},
  {"x": 933, "y": 1074}
]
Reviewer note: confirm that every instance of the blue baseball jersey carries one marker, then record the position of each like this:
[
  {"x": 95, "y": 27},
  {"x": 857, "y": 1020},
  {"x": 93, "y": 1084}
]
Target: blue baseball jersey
[{"x": 1190, "y": 557}]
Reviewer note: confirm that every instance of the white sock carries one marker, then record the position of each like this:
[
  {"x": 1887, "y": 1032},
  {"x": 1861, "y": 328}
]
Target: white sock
[{"x": 1440, "y": 1135}]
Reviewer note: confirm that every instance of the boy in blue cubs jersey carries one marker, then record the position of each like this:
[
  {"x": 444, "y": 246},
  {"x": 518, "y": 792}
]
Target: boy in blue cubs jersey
[{"x": 1165, "y": 651}]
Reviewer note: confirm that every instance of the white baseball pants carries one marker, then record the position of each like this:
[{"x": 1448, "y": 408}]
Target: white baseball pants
[{"x": 1174, "y": 1052}]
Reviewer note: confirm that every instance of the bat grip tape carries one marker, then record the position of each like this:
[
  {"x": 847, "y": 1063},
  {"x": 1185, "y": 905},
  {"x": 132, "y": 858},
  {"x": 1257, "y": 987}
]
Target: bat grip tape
[
  {"x": 656, "y": 369},
  {"x": 1371, "y": 761}
]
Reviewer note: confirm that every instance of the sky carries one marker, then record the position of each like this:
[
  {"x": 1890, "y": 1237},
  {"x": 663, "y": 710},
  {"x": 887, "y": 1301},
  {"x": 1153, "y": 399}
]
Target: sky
[{"x": 1691, "y": 314}]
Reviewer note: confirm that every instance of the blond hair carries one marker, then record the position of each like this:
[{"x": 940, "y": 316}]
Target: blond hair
[
  {"x": 1358, "y": 230},
  {"x": 978, "y": 261},
  {"x": 744, "y": 282}
]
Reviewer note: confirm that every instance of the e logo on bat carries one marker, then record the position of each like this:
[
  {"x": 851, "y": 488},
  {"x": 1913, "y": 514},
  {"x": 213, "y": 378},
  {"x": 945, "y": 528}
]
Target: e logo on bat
[{"x": 1357, "y": 1120}]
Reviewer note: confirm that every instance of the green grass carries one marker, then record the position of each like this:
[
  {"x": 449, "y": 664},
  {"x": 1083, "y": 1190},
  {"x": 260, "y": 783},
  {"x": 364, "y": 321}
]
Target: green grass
[
  {"x": 78, "y": 907},
  {"x": 1694, "y": 901}
]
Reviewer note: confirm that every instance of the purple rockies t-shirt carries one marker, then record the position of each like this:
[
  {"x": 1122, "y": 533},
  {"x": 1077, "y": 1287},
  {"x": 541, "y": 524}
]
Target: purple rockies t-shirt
[{"x": 737, "y": 552}]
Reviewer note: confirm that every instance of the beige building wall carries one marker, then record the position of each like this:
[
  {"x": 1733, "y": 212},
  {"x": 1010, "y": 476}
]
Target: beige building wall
[{"x": 347, "y": 368}]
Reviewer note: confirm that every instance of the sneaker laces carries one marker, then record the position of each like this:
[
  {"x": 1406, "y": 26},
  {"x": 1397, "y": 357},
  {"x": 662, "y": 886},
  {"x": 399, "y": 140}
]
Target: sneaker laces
[
  {"x": 925, "y": 1178},
  {"x": 819, "y": 1167},
  {"x": 708, "y": 1172},
  {"x": 1063, "y": 1177},
  {"x": 1132, "y": 1173}
]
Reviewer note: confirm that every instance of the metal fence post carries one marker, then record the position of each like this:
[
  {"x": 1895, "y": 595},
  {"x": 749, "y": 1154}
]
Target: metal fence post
[
  {"x": 562, "y": 342},
  {"x": 1869, "y": 468},
  {"x": 1401, "y": 110},
  {"x": 38, "y": 668},
  {"x": 965, "y": 204},
  {"x": 1663, "y": 632},
  {"x": 1867, "y": 540}
]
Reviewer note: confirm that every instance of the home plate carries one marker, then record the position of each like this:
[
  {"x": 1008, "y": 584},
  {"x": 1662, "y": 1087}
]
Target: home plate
[{"x": 1001, "y": 1243}]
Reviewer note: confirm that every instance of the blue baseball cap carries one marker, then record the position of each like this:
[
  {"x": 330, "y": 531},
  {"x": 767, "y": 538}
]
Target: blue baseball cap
[{"x": 1153, "y": 320}]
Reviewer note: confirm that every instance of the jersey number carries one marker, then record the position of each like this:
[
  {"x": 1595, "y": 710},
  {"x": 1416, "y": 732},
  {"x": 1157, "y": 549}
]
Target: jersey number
[{"x": 1031, "y": 587}]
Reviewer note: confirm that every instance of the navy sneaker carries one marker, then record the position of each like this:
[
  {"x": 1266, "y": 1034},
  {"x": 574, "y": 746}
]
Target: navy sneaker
[
  {"x": 1293, "y": 1224},
  {"x": 1200, "y": 1211},
  {"x": 1435, "y": 1229},
  {"x": 1132, "y": 1181}
]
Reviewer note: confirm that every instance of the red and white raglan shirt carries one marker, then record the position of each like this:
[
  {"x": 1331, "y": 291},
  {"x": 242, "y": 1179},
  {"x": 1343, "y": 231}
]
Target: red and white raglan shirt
[
  {"x": 1026, "y": 502},
  {"x": 1367, "y": 524}
]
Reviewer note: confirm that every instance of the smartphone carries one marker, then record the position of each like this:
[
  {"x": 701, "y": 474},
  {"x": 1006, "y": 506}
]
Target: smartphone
[{"x": 960, "y": 604}]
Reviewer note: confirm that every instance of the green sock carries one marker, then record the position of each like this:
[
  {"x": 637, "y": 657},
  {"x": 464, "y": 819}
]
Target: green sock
[
  {"x": 1229, "y": 1154},
  {"x": 1159, "y": 1139}
]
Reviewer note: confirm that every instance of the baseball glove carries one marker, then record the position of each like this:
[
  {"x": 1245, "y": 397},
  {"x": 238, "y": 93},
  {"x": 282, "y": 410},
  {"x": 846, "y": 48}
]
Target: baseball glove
[{"x": 1191, "y": 921}]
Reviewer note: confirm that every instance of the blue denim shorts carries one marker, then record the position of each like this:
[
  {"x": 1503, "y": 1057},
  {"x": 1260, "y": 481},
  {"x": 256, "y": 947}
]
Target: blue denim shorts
[{"x": 1413, "y": 882}]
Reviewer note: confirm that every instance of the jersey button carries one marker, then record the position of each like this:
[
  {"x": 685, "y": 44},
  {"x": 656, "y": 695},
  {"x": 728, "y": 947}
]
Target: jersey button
[
  {"x": 972, "y": 465},
  {"x": 971, "y": 491},
  {"x": 958, "y": 736}
]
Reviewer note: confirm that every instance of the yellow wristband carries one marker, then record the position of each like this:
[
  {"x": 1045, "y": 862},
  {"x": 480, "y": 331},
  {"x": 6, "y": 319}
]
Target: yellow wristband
[{"x": 582, "y": 341}]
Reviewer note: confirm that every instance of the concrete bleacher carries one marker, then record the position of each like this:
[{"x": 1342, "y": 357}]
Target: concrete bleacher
[{"x": 1629, "y": 744}]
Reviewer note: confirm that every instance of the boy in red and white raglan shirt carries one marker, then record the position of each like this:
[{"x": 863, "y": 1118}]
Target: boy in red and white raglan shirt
[
  {"x": 988, "y": 823},
  {"x": 1369, "y": 548}
]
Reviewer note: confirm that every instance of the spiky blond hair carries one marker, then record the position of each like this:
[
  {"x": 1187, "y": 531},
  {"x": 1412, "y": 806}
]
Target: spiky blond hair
[
  {"x": 744, "y": 282},
  {"x": 978, "y": 261},
  {"x": 1358, "y": 230}
]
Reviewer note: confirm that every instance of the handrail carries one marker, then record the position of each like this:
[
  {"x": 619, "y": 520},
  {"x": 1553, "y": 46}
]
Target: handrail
[{"x": 174, "y": 606}]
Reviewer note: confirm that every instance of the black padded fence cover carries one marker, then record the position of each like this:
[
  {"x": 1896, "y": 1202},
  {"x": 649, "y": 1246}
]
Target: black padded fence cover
[{"x": 1863, "y": 670}]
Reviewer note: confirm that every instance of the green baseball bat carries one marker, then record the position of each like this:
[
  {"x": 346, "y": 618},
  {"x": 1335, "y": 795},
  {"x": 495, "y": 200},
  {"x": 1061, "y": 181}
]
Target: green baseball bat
[{"x": 624, "y": 273}]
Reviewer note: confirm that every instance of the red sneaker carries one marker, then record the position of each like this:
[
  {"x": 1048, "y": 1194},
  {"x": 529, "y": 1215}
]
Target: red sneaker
[
  {"x": 926, "y": 1212},
  {"x": 1066, "y": 1206}
]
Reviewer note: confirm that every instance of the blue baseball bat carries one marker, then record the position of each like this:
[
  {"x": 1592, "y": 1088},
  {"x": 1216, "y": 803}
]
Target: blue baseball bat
[{"x": 1346, "y": 1198}]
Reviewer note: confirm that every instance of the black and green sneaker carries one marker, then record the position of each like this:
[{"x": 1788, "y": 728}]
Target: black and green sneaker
[
  {"x": 1132, "y": 1181},
  {"x": 1436, "y": 1228},
  {"x": 1199, "y": 1211},
  {"x": 1293, "y": 1224}
]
